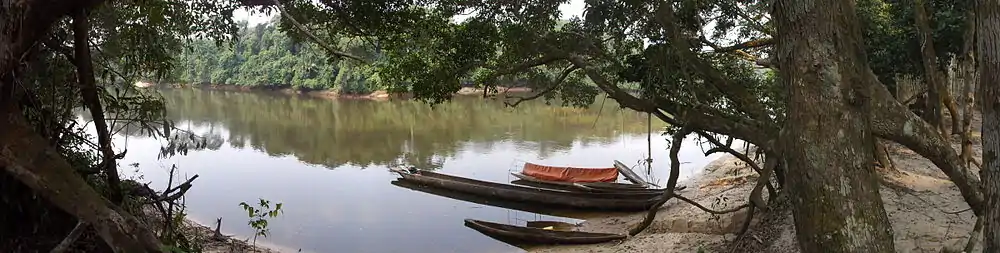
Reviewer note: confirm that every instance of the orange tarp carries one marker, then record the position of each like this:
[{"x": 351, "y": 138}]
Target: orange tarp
[{"x": 570, "y": 174}]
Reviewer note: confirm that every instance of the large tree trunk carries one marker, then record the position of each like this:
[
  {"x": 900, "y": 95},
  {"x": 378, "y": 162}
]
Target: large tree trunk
[
  {"x": 988, "y": 55},
  {"x": 835, "y": 199}
]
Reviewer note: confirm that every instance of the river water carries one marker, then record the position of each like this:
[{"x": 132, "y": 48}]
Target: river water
[{"x": 327, "y": 162}]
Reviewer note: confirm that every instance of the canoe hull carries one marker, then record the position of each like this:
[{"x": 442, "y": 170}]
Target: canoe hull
[
  {"x": 574, "y": 200},
  {"x": 538, "y": 236}
]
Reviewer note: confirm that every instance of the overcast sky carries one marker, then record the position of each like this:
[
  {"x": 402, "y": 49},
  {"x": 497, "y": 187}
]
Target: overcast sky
[{"x": 570, "y": 9}]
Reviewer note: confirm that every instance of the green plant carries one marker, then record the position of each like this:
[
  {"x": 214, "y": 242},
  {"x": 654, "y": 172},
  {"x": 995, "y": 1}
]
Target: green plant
[{"x": 258, "y": 216}]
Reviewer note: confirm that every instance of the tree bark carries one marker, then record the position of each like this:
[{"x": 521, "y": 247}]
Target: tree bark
[
  {"x": 967, "y": 70},
  {"x": 988, "y": 57},
  {"x": 88, "y": 91},
  {"x": 893, "y": 121},
  {"x": 932, "y": 77},
  {"x": 835, "y": 199}
]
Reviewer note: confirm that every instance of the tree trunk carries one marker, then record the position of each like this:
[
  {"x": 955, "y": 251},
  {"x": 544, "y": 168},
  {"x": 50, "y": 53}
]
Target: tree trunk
[
  {"x": 835, "y": 199},
  {"x": 935, "y": 88},
  {"x": 967, "y": 70},
  {"x": 988, "y": 54},
  {"x": 88, "y": 91},
  {"x": 26, "y": 156}
]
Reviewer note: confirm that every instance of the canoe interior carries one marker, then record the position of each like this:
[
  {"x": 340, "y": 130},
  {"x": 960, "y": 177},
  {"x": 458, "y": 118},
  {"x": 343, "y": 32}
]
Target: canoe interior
[
  {"x": 580, "y": 187},
  {"x": 600, "y": 185},
  {"x": 555, "y": 225},
  {"x": 539, "y": 236}
]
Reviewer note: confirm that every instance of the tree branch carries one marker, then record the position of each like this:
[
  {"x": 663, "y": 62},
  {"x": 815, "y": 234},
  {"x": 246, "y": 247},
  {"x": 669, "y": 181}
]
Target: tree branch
[
  {"x": 739, "y": 12},
  {"x": 88, "y": 91},
  {"x": 706, "y": 209},
  {"x": 311, "y": 36},
  {"x": 70, "y": 238},
  {"x": 746, "y": 45},
  {"x": 891, "y": 120},
  {"x": 739, "y": 95},
  {"x": 558, "y": 82}
]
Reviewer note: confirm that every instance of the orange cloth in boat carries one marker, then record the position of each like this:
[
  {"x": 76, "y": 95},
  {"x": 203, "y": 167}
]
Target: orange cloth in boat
[{"x": 570, "y": 174}]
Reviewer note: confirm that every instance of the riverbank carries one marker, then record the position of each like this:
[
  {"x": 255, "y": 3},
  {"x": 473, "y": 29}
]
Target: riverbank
[
  {"x": 378, "y": 95},
  {"x": 919, "y": 201},
  {"x": 205, "y": 238}
]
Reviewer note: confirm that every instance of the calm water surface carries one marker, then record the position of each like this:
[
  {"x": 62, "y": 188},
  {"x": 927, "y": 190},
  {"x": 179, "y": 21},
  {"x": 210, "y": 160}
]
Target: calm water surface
[{"x": 327, "y": 162}]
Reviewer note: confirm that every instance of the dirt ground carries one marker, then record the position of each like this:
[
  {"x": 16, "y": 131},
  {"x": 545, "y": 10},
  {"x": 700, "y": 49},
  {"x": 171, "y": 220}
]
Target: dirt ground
[{"x": 924, "y": 207}]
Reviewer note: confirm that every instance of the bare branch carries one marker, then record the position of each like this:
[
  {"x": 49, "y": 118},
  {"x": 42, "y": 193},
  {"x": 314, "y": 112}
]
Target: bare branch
[
  {"x": 558, "y": 82},
  {"x": 311, "y": 36},
  {"x": 71, "y": 238},
  {"x": 739, "y": 12},
  {"x": 706, "y": 209}
]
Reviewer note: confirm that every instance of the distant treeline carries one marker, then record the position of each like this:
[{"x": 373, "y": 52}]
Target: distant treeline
[{"x": 265, "y": 57}]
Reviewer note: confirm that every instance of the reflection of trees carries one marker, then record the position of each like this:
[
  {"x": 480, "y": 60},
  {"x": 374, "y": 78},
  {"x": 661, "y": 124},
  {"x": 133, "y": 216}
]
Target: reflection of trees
[{"x": 380, "y": 133}]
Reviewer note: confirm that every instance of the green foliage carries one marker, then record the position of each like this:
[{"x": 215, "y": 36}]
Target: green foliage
[
  {"x": 258, "y": 216},
  {"x": 891, "y": 38},
  {"x": 265, "y": 57}
]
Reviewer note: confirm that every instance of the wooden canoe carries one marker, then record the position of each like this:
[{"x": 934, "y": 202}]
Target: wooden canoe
[
  {"x": 538, "y": 236},
  {"x": 575, "y": 200},
  {"x": 507, "y": 204}
]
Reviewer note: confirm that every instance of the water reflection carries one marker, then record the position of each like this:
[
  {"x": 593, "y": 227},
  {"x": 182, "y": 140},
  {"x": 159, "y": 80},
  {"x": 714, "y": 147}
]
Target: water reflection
[
  {"x": 326, "y": 161},
  {"x": 366, "y": 133}
]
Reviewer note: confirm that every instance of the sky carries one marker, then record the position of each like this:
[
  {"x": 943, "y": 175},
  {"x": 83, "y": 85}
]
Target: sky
[{"x": 569, "y": 9}]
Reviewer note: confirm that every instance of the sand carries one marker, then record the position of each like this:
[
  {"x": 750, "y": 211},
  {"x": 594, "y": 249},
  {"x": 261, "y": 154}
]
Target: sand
[{"x": 918, "y": 200}]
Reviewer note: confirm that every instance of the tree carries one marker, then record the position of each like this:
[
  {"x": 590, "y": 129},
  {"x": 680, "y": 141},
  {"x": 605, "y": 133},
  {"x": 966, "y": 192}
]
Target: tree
[
  {"x": 103, "y": 44},
  {"x": 988, "y": 57},
  {"x": 822, "y": 65}
]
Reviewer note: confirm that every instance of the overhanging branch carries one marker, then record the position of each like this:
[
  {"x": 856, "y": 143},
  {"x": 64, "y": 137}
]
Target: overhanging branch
[
  {"x": 558, "y": 82},
  {"x": 741, "y": 97},
  {"x": 311, "y": 36}
]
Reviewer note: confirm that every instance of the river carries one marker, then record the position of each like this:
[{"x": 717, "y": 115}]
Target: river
[{"x": 327, "y": 162}]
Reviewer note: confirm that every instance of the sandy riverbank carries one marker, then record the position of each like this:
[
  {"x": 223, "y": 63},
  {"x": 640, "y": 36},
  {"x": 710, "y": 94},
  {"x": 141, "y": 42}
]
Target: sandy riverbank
[{"x": 917, "y": 201}]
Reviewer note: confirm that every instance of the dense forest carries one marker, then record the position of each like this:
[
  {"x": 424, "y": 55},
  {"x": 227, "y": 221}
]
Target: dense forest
[{"x": 264, "y": 57}]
